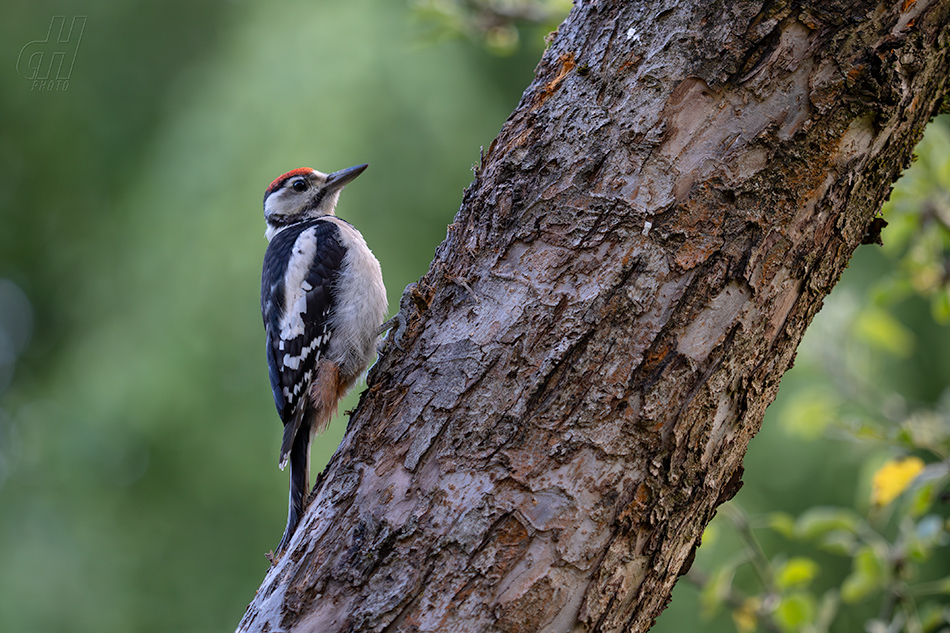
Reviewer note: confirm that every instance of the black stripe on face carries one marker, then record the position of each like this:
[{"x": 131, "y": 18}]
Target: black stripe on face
[
  {"x": 303, "y": 214},
  {"x": 287, "y": 220},
  {"x": 317, "y": 198}
]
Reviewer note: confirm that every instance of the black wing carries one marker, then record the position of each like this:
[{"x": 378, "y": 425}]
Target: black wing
[{"x": 298, "y": 334}]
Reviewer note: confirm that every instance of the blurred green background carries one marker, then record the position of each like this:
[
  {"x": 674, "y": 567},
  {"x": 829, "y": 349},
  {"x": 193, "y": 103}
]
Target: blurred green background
[{"x": 138, "y": 438}]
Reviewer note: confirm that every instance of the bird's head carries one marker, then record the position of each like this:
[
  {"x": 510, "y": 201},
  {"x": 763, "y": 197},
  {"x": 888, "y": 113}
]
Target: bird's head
[{"x": 304, "y": 194}]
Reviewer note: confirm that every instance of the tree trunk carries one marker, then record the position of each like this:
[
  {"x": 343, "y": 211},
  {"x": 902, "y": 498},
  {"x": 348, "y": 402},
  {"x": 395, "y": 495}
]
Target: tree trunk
[{"x": 576, "y": 378}]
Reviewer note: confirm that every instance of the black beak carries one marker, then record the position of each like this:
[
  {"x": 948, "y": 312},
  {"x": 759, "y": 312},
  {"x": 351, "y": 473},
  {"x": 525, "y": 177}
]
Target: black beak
[{"x": 337, "y": 179}]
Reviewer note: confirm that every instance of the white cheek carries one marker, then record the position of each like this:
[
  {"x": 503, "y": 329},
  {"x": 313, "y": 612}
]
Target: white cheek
[
  {"x": 271, "y": 206},
  {"x": 277, "y": 204},
  {"x": 328, "y": 204},
  {"x": 283, "y": 202}
]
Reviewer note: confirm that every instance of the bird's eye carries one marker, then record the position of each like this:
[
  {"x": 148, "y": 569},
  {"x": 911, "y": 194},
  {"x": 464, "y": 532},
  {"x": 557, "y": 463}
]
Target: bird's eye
[{"x": 300, "y": 185}]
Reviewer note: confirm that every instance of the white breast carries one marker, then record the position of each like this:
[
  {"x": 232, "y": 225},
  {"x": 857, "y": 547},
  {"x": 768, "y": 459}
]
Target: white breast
[{"x": 360, "y": 306}]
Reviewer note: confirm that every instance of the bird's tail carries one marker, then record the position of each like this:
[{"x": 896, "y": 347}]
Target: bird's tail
[
  {"x": 299, "y": 483},
  {"x": 312, "y": 417}
]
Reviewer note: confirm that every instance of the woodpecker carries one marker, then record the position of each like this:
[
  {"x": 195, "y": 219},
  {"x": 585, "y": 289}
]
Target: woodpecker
[{"x": 323, "y": 303}]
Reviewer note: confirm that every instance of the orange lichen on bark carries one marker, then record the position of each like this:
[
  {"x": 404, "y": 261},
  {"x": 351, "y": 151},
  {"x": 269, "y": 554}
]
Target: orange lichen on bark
[
  {"x": 700, "y": 210},
  {"x": 568, "y": 63},
  {"x": 630, "y": 64}
]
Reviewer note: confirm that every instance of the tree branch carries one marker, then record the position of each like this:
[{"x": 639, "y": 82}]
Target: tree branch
[{"x": 581, "y": 369}]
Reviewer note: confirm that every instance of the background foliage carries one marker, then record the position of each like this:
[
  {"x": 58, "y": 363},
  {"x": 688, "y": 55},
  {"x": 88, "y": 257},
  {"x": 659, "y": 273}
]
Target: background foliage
[
  {"x": 138, "y": 440},
  {"x": 843, "y": 523}
]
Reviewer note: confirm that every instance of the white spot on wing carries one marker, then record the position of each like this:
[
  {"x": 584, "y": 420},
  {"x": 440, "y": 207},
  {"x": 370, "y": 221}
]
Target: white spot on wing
[{"x": 293, "y": 362}]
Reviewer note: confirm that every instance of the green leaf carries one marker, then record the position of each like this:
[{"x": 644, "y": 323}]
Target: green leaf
[
  {"x": 943, "y": 585},
  {"x": 783, "y": 523},
  {"x": 827, "y": 610},
  {"x": 940, "y": 306},
  {"x": 921, "y": 499},
  {"x": 868, "y": 575},
  {"x": 711, "y": 534},
  {"x": 715, "y": 591},
  {"x": 812, "y": 410},
  {"x": 900, "y": 230},
  {"x": 890, "y": 290},
  {"x": 795, "y": 610},
  {"x": 932, "y": 616},
  {"x": 796, "y": 572},
  {"x": 881, "y": 330},
  {"x": 839, "y": 542},
  {"x": 820, "y": 520}
]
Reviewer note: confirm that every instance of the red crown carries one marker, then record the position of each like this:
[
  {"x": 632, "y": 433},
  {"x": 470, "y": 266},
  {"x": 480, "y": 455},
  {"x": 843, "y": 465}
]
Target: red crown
[{"x": 301, "y": 171}]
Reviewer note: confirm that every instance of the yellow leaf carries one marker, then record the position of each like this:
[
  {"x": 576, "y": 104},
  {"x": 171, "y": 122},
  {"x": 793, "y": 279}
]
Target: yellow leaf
[
  {"x": 745, "y": 616},
  {"x": 893, "y": 478}
]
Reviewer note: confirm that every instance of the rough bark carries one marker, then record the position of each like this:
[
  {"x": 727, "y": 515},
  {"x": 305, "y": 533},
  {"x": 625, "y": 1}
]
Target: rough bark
[{"x": 628, "y": 277}]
